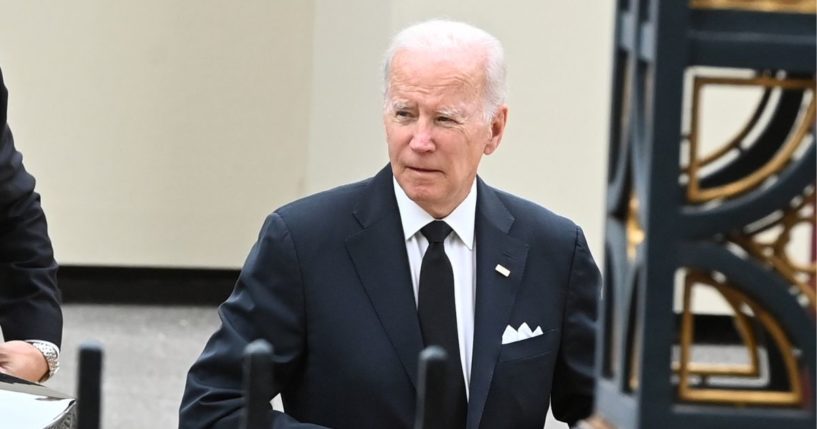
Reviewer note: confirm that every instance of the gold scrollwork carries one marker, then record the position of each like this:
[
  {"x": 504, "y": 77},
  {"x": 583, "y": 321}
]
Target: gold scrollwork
[
  {"x": 695, "y": 193},
  {"x": 774, "y": 253},
  {"x": 635, "y": 369},
  {"x": 635, "y": 232},
  {"x": 635, "y": 236},
  {"x": 747, "y": 335},
  {"x": 735, "y": 142},
  {"x": 779, "y": 6},
  {"x": 686, "y": 392}
]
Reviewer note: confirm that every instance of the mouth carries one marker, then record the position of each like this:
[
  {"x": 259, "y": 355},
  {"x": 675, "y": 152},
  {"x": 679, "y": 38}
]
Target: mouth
[{"x": 422, "y": 170}]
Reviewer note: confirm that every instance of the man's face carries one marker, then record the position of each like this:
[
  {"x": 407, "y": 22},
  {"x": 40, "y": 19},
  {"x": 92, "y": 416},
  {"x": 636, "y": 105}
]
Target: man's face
[{"x": 435, "y": 126}]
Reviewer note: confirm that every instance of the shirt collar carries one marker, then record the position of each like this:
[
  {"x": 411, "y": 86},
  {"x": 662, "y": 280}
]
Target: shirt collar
[{"x": 461, "y": 220}]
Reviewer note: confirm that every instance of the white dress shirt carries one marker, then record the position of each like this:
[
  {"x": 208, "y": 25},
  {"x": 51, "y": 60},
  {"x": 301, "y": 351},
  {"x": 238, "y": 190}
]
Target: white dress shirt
[{"x": 460, "y": 247}]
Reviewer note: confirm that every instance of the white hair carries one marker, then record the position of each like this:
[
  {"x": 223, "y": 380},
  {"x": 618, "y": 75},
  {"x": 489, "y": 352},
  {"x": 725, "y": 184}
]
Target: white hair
[{"x": 443, "y": 35}]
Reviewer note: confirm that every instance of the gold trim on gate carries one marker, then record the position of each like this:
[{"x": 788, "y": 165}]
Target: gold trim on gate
[
  {"x": 735, "y": 396},
  {"x": 635, "y": 236},
  {"x": 635, "y": 232},
  {"x": 635, "y": 368},
  {"x": 778, "y": 6},
  {"x": 747, "y": 335},
  {"x": 735, "y": 142},
  {"x": 633, "y": 337},
  {"x": 774, "y": 253},
  {"x": 779, "y": 161}
]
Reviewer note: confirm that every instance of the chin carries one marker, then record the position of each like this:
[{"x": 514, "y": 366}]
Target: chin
[
  {"x": 418, "y": 195},
  {"x": 426, "y": 200}
]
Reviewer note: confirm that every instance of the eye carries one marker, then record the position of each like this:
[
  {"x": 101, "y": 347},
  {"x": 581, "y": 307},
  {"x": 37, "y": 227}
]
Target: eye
[
  {"x": 402, "y": 114},
  {"x": 446, "y": 120}
]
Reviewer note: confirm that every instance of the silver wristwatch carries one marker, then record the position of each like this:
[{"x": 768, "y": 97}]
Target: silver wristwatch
[{"x": 51, "y": 354}]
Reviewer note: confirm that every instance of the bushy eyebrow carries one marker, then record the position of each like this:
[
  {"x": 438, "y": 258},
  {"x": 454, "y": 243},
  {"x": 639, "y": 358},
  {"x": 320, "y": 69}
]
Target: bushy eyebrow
[
  {"x": 396, "y": 105},
  {"x": 451, "y": 112},
  {"x": 447, "y": 111}
]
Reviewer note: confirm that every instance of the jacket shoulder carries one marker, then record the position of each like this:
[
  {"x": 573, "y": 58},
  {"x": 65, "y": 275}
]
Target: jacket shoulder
[
  {"x": 534, "y": 220},
  {"x": 322, "y": 209}
]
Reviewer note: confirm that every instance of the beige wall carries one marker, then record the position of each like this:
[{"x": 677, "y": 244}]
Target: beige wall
[{"x": 162, "y": 132}]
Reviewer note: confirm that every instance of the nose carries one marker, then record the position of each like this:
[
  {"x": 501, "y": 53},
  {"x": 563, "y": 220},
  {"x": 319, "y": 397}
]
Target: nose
[{"x": 421, "y": 139}]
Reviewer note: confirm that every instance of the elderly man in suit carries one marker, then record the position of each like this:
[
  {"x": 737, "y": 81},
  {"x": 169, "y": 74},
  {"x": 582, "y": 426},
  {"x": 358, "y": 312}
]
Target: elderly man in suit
[
  {"x": 350, "y": 284},
  {"x": 30, "y": 314}
]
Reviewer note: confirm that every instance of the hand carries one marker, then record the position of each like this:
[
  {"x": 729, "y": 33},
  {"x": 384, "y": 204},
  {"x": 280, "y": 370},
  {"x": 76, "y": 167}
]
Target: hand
[{"x": 22, "y": 360}]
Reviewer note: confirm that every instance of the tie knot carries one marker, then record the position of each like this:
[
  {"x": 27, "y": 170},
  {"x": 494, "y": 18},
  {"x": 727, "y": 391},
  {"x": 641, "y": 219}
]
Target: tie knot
[{"x": 436, "y": 231}]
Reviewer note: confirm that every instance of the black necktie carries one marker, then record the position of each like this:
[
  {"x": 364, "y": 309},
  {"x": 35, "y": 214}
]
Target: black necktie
[{"x": 438, "y": 316}]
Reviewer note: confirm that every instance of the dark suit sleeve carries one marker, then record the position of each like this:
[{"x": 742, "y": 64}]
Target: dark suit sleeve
[
  {"x": 574, "y": 384},
  {"x": 29, "y": 298},
  {"x": 267, "y": 303}
]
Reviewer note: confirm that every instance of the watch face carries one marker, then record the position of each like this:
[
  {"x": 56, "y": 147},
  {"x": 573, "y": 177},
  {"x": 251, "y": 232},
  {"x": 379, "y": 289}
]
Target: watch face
[{"x": 30, "y": 405}]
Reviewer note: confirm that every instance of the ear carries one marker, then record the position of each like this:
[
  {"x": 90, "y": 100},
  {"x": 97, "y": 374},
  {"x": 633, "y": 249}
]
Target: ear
[{"x": 497, "y": 129}]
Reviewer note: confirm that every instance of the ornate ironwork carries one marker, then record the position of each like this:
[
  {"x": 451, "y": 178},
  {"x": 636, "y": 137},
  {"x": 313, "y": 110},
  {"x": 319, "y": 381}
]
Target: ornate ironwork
[
  {"x": 737, "y": 301},
  {"x": 724, "y": 218},
  {"x": 695, "y": 192},
  {"x": 774, "y": 252},
  {"x": 777, "y": 6},
  {"x": 635, "y": 232}
]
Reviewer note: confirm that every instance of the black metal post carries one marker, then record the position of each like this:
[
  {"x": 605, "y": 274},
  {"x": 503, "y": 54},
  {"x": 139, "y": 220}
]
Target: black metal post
[
  {"x": 431, "y": 406},
  {"x": 89, "y": 386},
  {"x": 258, "y": 377}
]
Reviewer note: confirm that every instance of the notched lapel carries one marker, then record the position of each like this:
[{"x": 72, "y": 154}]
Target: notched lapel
[
  {"x": 495, "y": 292},
  {"x": 378, "y": 252}
]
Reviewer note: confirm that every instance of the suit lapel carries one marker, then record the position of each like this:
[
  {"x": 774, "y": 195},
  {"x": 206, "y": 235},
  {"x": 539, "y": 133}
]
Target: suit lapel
[
  {"x": 495, "y": 293},
  {"x": 378, "y": 252}
]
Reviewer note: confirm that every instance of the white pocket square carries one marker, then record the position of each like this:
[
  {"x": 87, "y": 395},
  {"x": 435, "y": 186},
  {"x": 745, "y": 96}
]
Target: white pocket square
[{"x": 512, "y": 335}]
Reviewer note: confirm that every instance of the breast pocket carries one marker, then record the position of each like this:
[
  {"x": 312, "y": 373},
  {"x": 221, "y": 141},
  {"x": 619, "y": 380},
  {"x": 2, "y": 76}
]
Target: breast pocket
[
  {"x": 539, "y": 345},
  {"x": 521, "y": 383}
]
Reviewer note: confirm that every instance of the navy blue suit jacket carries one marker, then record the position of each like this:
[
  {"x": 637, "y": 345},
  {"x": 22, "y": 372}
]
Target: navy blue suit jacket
[
  {"x": 29, "y": 299},
  {"x": 328, "y": 284}
]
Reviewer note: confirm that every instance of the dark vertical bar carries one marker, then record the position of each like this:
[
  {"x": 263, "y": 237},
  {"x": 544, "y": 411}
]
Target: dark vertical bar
[
  {"x": 661, "y": 129},
  {"x": 89, "y": 386},
  {"x": 257, "y": 385},
  {"x": 431, "y": 407}
]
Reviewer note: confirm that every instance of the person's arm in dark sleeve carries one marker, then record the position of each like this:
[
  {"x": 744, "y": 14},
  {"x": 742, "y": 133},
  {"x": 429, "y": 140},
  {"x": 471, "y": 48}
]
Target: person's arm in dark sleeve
[
  {"x": 29, "y": 298},
  {"x": 267, "y": 303},
  {"x": 574, "y": 383}
]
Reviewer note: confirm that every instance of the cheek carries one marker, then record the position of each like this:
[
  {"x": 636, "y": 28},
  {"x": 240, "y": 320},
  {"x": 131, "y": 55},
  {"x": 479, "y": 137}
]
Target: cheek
[
  {"x": 471, "y": 154},
  {"x": 397, "y": 136}
]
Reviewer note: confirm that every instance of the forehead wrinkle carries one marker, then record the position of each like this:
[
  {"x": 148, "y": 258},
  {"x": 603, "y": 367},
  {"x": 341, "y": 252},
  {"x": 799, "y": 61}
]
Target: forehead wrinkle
[
  {"x": 434, "y": 94},
  {"x": 453, "y": 83},
  {"x": 467, "y": 69},
  {"x": 457, "y": 93}
]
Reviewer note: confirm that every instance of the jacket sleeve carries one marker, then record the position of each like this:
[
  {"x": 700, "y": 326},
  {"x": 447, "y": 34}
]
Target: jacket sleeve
[
  {"x": 574, "y": 382},
  {"x": 29, "y": 298},
  {"x": 267, "y": 303}
]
